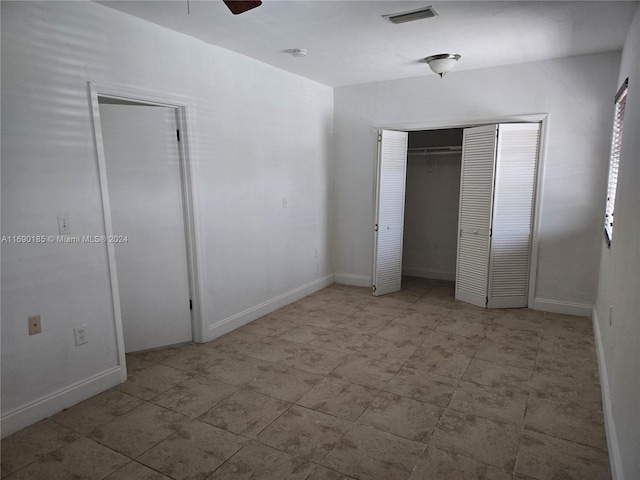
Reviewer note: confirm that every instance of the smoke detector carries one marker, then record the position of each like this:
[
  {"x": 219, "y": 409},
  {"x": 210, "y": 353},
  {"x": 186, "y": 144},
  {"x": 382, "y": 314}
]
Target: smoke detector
[
  {"x": 410, "y": 16},
  {"x": 298, "y": 52}
]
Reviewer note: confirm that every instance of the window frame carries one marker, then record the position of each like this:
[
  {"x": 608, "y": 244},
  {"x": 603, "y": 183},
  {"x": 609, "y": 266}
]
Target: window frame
[{"x": 614, "y": 159}]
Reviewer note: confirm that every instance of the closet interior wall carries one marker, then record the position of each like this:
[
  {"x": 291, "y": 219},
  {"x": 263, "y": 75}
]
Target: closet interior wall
[{"x": 431, "y": 204}]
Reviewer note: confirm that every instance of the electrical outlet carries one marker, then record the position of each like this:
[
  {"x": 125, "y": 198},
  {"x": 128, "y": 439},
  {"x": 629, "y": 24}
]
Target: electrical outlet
[
  {"x": 34, "y": 324},
  {"x": 81, "y": 334},
  {"x": 610, "y": 314}
]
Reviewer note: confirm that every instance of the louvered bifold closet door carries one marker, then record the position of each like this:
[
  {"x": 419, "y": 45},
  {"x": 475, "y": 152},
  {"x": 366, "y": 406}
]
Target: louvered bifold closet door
[
  {"x": 476, "y": 192},
  {"x": 516, "y": 163},
  {"x": 392, "y": 172}
]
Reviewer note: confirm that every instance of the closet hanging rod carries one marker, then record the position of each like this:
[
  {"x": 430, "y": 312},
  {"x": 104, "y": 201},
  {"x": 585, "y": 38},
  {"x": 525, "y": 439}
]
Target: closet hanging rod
[{"x": 418, "y": 150}]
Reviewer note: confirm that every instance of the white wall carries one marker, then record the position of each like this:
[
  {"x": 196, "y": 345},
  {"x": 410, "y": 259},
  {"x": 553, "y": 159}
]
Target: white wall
[
  {"x": 573, "y": 91},
  {"x": 258, "y": 134},
  {"x": 619, "y": 284}
]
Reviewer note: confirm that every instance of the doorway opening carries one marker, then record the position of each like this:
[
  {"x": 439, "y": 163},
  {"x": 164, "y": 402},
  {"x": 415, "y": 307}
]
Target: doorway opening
[
  {"x": 507, "y": 259},
  {"x": 147, "y": 201},
  {"x": 432, "y": 198}
]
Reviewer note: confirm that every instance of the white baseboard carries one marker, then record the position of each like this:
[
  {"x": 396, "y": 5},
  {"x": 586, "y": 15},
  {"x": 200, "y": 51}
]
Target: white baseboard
[
  {"x": 55, "y": 402},
  {"x": 431, "y": 274},
  {"x": 615, "y": 459},
  {"x": 249, "y": 315},
  {"x": 353, "y": 280},
  {"x": 565, "y": 308}
]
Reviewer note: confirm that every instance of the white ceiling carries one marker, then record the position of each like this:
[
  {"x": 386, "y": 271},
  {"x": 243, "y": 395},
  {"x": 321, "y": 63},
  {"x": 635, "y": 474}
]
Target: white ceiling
[{"x": 350, "y": 43}]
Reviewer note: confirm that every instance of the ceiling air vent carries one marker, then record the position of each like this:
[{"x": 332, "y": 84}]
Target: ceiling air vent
[{"x": 403, "y": 17}]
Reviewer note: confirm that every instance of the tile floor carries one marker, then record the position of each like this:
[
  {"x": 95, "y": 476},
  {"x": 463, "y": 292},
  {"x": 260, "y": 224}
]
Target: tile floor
[{"x": 342, "y": 385}]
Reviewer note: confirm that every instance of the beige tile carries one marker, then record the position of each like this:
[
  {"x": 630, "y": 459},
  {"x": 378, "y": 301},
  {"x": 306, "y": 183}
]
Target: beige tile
[
  {"x": 513, "y": 336},
  {"x": 285, "y": 383},
  {"x": 520, "y": 319},
  {"x": 97, "y": 410},
  {"x": 469, "y": 313},
  {"x": 402, "y": 416},
  {"x": 31, "y": 443},
  {"x": 272, "y": 349},
  {"x": 271, "y": 325},
  {"x": 439, "y": 362},
  {"x": 305, "y": 333},
  {"x": 152, "y": 381},
  {"x": 323, "y": 318},
  {"x": 369, "y": 454},
  {"x": 365, "y": 371},
  {"x": 446, "y": 343},
  {"x": 256, "y": 461},
  {"x": 569, "y": 422},
  {"x": 495, "y": 403},
  {"x": 81, "y": 459},
  {"x": 194, "y": 396},
  {"x": 401, "y": 332},
  {"x": 315, "y": 360},
  {"x": 497, "y": 375},
  {"x": 303, "y": 357},
  {"x": 341, "y": 341},
  {"x": 465, "y": 328},
  {"x": 442, "y": 465},
  {"x": 570, "y": 347},
  {"x": 322, "y": 473},
  {"x": 193, "y": 452},
  {"x": 568, "y": 390},
  {"x": 139, "y": 430},
  {"x": 483, "y": 440},
  {"x": 412, "y": 383},
  {"x": 235, "y": 341},
  {"x": 196, "y": 359},
  {"x": 279, "y": 381},
  {"x": 158, "y": 355},
  {"x": 425, "y": 307},
  {"x": 514, "y": 355},
  {"x": 394, "y": 301},
  {"x": 136, "y": 364},
  {"x": 245, "y": 413},
  {"x": 295, "y": 310},
  {"x": 339, "y": 398},
  {"x": 367, "y": 321},
  {"x": 578, "y": 367},
  {"x": 568, "y": 326},
  {"x": 238, "y": 370},
  {"x": 547, "y": 458},
  {"x": 387, "y": 351},
  {"x": 441, "y": 295},
  {"x": 304, "y": 433},
  {"x": 136, "y": 471}
]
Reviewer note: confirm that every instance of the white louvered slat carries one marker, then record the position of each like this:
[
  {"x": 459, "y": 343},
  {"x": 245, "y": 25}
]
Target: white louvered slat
[
  {"x": 392, "y": 168},
  {"x": 476, "y": 191},
  {"x": 516, "y": 161}
]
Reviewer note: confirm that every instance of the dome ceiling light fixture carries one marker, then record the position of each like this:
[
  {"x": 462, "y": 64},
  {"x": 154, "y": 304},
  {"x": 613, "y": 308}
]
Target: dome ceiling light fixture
[{"x": 442, "y": 63}]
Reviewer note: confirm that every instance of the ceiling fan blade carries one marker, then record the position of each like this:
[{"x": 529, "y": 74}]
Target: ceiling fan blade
[{"x": 241, "y": 6}]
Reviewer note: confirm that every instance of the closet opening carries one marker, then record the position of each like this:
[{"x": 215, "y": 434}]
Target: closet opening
[
  {"x": 432, "y": 199},
  {"x": 460, "y": 204}
]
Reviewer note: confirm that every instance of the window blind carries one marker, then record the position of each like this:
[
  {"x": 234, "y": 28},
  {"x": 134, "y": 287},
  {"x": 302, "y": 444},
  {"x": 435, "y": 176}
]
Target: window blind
[{"x": 614, "y": 159}]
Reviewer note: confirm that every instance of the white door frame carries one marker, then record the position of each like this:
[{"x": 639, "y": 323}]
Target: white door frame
[
  {"x": 182, "y": 107},
  {"x": 543, "y": 119}
]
